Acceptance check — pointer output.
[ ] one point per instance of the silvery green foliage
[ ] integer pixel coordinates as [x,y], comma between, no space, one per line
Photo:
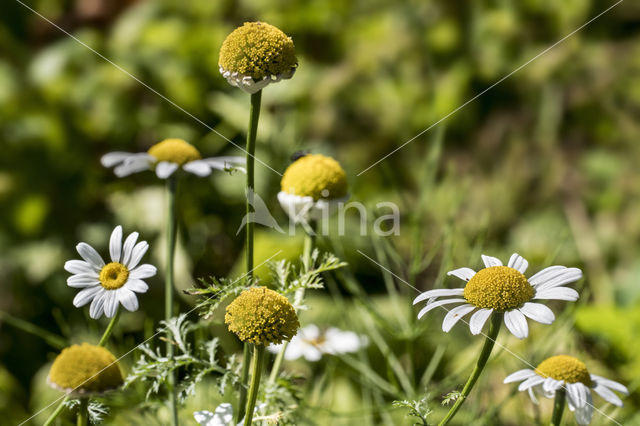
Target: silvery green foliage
[288,278]
[283,398]
[154,368]
[417,408]
[216,291]
[451,397]
[97,411]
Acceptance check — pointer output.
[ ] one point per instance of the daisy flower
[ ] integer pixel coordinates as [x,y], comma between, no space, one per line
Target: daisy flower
[503,289]
[564,372]
[311,343]
[106,285]
[255,55]
[312,187]
[168,156]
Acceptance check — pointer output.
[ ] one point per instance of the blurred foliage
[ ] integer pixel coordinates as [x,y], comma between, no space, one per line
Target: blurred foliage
[545,164]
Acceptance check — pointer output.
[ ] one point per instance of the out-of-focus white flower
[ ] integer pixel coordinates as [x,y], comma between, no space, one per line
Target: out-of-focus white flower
[168,156]
[311,343]
[570,374]
[221,416]
[106,285]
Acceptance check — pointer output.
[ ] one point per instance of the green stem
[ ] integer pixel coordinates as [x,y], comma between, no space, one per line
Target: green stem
[494,328]
[256,367]
[309,245]
[56,413]
[83,412]
[254,116]
[53,340]
[107,332]
[172,186]
[558,407]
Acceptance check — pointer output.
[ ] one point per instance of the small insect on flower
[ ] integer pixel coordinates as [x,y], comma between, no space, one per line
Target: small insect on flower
[262,316]
[311,343]
[85,370]
[571,374]
[503,289]
[106,285]
[311,185]
[168,156]
[255,55]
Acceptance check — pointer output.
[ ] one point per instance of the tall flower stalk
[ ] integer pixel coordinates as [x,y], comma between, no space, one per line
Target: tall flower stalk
[251,57]
[487,347]
[172,187]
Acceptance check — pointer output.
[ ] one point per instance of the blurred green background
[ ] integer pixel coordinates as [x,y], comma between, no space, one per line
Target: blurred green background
[545,164]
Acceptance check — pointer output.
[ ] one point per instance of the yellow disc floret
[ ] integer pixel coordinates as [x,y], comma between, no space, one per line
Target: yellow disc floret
[258,49]
[498,287]
[175,151]
[316,176]
[113,275]
[85,369]
[262,316]
[565,367]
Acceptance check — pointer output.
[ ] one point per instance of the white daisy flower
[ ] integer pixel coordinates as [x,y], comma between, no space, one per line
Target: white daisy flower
[106,285]
[568,373]
[221,416]
[313,187]
[311,343]
[503,289]
[168,156]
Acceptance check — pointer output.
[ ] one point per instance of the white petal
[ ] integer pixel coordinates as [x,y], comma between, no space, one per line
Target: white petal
[530,382]
[584,414]
[438,293]
[310,332]
[85,296]
[113,158]
[478,319]
[544,274]
[454,315]
[138,286]
[551,385]
[198,168]
[96,308]
[80,267]
[434,305]
[518,262]
[557,293]
[516,323]
[311,353]
[490,261]
[138,163]
[607,394]
[127,249]
[532,395]
[559,278]
[115,244]
[110,303]
[164,169]
[462,273]
[538,312]
[223,163]
[138,251]
[143,271]
[578,393]
[128,299]
[83,280]
[89,254]
[610,384]
[520,375]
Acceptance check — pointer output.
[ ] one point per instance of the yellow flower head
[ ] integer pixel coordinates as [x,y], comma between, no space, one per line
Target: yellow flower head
[262,316]
[316,176]
[175,151]
[84,370]
[498,287]
[565,367]
[258,50]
